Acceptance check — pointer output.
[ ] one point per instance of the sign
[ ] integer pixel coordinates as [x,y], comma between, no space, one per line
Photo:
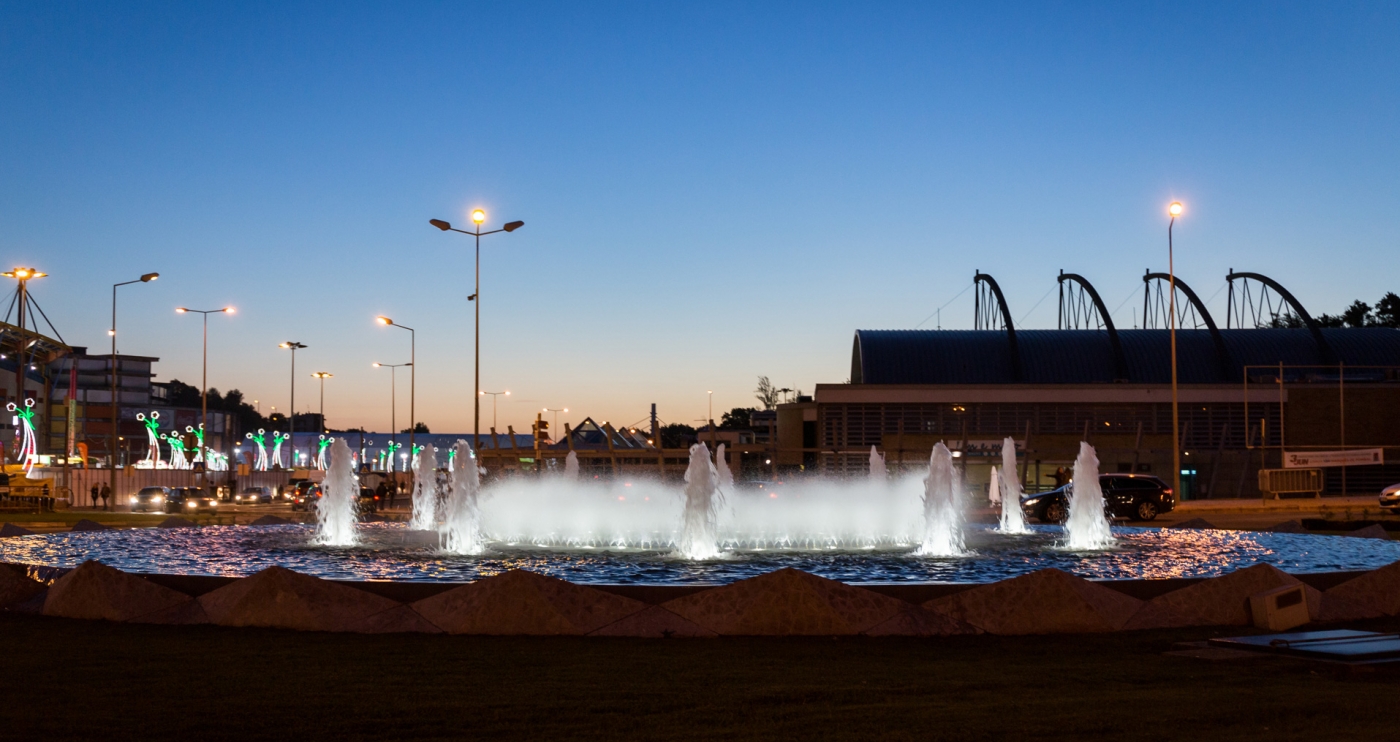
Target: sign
[990,447]
[1315,459]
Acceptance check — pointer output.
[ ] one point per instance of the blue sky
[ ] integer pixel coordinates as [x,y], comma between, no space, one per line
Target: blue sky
[711,191]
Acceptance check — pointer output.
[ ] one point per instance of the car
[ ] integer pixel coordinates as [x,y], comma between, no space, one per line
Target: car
[1133,496]
[305,496]
[1390,498]
[191,500]
[254,496]
[150,500]
[369,502]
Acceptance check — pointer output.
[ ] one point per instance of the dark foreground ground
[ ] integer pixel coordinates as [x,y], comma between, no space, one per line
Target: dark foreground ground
[84,680]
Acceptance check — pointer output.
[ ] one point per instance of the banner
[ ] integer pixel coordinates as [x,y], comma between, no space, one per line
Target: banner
[1317,459]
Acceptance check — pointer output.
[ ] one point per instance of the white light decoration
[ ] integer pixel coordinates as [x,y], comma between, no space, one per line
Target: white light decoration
[199,448]
[277,440]
[261,440]
[321,447]
[152,423]
[28,449]
[392,449]
[177,451]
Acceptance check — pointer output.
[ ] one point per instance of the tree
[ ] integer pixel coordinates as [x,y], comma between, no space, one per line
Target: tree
[1357,315]
[180,394]
[417,428]
[766,393]
[736,419]
[1387,312]
[677,435]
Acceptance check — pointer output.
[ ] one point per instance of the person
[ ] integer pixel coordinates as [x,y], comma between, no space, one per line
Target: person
[382,492]
[94,496]
[106,496]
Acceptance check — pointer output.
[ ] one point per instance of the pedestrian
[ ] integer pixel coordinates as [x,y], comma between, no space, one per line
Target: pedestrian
[381,493]
[95,495]
[106,496]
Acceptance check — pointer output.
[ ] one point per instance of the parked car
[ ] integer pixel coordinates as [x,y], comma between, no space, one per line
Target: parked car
[190,500]
[150,500]
[305,496]
[1390,498]
[254,496]
[1133,496]
[369,502]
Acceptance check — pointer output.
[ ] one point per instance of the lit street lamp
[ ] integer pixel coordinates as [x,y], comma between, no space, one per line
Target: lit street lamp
[556,416]
[1175,211]
[412,374]
[494,395]
[116,399]
[322,375]
[393,402]
[292,411]
[478,216]
[204,376]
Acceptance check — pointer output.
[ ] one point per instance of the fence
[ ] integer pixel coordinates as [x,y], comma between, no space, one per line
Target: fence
[130,481]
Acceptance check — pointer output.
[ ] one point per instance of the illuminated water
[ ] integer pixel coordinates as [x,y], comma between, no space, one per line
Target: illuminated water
[1087,526]
[336,509]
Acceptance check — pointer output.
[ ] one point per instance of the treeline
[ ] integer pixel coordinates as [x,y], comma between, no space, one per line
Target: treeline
[1385,313]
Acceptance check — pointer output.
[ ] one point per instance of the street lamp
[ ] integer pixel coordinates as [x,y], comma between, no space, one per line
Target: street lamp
[322,375]
[494,395]
[711,419]
[393,402]
[478,216]
[116,400]
[204,376]
[1175,211]
[293,346]
[412,374]
[556,416]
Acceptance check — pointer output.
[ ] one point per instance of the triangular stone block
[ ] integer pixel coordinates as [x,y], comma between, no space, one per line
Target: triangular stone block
[655,622]
[96,591]
[16,587]
[10,529]
[280,598]
[90,525]
[1199,523]
[786,602]
[176,521]
[185,614]
[270,520]
[397,620]
[1288,526]
[1375,530]
[1047,601]
[520,602]
[1377,591]
[1218,601]
[915,621]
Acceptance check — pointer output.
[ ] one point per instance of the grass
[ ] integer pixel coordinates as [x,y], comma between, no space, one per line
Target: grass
[73,679]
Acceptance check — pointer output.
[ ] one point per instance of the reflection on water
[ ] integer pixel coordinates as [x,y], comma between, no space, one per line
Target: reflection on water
[385,552]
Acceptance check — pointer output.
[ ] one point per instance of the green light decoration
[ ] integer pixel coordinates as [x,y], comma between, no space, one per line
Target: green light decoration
[321,447]
[177,451]
[278,438]
[261,440]
[199,434]
[152,423]
[393,448]
[29,449]
[451,458]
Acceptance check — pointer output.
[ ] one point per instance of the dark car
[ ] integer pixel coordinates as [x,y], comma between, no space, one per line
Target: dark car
[369,502]
[254,496]
[1132,496]
[150,500]
[190,500]
[305,495]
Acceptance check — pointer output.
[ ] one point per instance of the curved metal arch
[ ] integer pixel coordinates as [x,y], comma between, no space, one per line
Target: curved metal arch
[1120,370]
[1222,354]
[1323,349]
[980,277]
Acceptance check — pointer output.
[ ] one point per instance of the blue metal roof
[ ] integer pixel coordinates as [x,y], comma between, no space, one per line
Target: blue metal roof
[1086,356]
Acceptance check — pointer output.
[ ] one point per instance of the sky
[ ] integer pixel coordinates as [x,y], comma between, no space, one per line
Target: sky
[711,191]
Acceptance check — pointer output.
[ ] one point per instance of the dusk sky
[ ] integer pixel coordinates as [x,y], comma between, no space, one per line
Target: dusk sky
[712,192]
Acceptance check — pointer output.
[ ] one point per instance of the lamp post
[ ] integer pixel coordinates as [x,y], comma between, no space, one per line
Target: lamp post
[478,216]
[1175,211]
[556,416]
[412,376]
[116,400]
[322,375]
[494,395]
[204,375]
[393,401]
[293,346]
[711,419]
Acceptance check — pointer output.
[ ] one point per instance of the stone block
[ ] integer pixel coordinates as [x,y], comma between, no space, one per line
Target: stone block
[270,520]
[916,621]
[397,620]
[176,521]
[787,602]
[1047,601]
[10,529]
[96,591]
[520,602]
[1375,593]
[16,587]
[280,598]
[655,622]
[1218,601]
[1288,526]
[185,614]
[90,525]
[1375,530]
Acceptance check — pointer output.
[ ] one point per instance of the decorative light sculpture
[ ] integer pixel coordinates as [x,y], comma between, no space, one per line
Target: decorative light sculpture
[393,448]
[177,451]
[278,438]
[321,447]
[24,418]
[261,440]
[152,423]
[198,434]
[451,458]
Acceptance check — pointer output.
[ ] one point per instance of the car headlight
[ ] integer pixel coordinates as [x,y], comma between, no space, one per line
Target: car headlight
[213,503]
[135,500]
[157,498]
[191,504]
[1031,502]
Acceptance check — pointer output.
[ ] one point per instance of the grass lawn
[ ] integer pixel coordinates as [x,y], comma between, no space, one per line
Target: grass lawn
[73,679]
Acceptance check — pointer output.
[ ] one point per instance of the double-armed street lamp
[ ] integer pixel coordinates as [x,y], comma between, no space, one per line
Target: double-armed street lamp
[293,346]
[556,416]
[116,399]
[494,395]
[412,375]
[323,375]
[204,375]
[478,216]
[393,402]
[1174,210]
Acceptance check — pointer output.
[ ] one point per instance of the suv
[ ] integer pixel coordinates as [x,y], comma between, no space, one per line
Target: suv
[150,500]
[1132,496]
[305,495]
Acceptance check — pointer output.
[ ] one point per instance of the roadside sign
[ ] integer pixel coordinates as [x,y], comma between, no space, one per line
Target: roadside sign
[1315,459]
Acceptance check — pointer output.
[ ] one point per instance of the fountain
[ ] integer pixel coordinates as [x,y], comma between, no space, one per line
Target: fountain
[1013,520]
[942,507]
[1087,527]
[994,487]
[699,530]
[571,466]
[877,466]
[425,490]
[461,529]
[335,511]
[726,475]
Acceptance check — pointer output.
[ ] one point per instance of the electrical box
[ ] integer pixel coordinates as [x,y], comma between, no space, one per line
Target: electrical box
[1281,608]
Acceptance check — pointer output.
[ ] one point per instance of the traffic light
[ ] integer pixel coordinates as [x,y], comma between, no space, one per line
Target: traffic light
[541,429]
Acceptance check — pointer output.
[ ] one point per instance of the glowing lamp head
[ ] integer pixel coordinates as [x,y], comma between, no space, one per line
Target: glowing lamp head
[507,393]
[384,320]
[147,278]
[180,310]
[229,310]
[284,345]
[478,216]
[377,365]
[1174,209]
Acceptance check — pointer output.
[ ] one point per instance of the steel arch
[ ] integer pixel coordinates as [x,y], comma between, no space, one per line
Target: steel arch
[1222,353]
[991,285]
[1119,362]
[1323,349]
